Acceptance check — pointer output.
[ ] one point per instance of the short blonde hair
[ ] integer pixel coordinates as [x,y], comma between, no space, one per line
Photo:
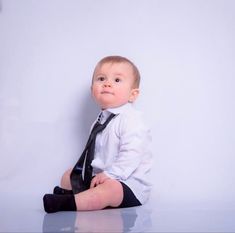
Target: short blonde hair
[120,59]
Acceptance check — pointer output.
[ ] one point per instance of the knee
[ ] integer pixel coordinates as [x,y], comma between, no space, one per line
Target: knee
[115,193]
[65,180]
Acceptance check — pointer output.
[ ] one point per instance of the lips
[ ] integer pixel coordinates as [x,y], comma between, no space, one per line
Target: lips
[107,92]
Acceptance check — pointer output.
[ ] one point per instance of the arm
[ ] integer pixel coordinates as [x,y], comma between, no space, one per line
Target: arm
[134,140]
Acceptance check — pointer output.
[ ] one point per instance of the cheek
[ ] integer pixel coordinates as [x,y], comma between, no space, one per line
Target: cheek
[124,92]
[94,88]
[94,92]
[123,96]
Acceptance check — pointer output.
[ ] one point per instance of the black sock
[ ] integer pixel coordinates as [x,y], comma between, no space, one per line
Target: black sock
[59,190]
[56,202]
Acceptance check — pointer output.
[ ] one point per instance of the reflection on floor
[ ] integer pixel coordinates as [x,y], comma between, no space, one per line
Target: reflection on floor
[26,215]
[115,220]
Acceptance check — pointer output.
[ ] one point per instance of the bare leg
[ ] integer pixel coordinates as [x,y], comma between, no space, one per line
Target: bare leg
[65,180]
[109,193]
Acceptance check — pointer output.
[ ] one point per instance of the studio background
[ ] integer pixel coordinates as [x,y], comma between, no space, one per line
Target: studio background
[185,53]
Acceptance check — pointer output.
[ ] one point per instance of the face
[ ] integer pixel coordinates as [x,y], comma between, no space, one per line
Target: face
[112,85]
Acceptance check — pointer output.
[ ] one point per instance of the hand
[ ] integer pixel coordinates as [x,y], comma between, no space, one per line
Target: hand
[99,179]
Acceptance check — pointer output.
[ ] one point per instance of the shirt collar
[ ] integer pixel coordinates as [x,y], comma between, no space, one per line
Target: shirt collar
[105,113]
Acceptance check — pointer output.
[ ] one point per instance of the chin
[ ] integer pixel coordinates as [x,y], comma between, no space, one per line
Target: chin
[105,106]
[111,106]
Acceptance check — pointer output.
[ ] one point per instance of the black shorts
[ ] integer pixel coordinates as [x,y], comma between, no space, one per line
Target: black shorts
[129,198]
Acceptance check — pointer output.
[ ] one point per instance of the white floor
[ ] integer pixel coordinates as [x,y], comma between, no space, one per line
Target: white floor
[26,214]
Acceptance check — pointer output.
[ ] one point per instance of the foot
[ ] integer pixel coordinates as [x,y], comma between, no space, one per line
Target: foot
[56,202]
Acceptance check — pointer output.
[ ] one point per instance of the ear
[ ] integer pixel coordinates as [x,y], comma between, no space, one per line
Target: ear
[134,94]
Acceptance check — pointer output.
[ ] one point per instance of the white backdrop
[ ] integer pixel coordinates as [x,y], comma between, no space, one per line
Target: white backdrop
[185,52]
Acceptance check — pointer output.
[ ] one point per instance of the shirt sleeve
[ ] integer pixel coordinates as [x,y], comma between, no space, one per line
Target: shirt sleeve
[134,140]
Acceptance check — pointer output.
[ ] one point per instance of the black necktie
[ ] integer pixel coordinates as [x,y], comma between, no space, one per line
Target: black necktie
[78,183]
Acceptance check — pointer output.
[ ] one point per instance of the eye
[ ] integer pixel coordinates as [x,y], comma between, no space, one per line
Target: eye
[101,78]
[117,80]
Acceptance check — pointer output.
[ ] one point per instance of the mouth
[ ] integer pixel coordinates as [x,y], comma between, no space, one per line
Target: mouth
[107,92]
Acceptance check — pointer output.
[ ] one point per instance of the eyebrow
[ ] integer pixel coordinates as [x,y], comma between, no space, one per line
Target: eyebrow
[118,74]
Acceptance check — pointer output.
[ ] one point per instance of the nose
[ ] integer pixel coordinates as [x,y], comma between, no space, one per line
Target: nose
[107,84]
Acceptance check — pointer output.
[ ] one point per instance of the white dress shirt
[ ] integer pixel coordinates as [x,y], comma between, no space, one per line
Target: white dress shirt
[122,150]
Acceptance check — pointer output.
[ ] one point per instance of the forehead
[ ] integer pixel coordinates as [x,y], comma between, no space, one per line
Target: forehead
[123,68]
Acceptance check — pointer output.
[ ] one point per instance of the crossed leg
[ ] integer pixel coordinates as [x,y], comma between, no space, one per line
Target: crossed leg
[109,193]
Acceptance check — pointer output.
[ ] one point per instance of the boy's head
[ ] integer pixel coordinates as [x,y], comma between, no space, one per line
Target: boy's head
[115,82]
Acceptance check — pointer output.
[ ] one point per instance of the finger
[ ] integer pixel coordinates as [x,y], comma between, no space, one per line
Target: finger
[104,179]
[93,182]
